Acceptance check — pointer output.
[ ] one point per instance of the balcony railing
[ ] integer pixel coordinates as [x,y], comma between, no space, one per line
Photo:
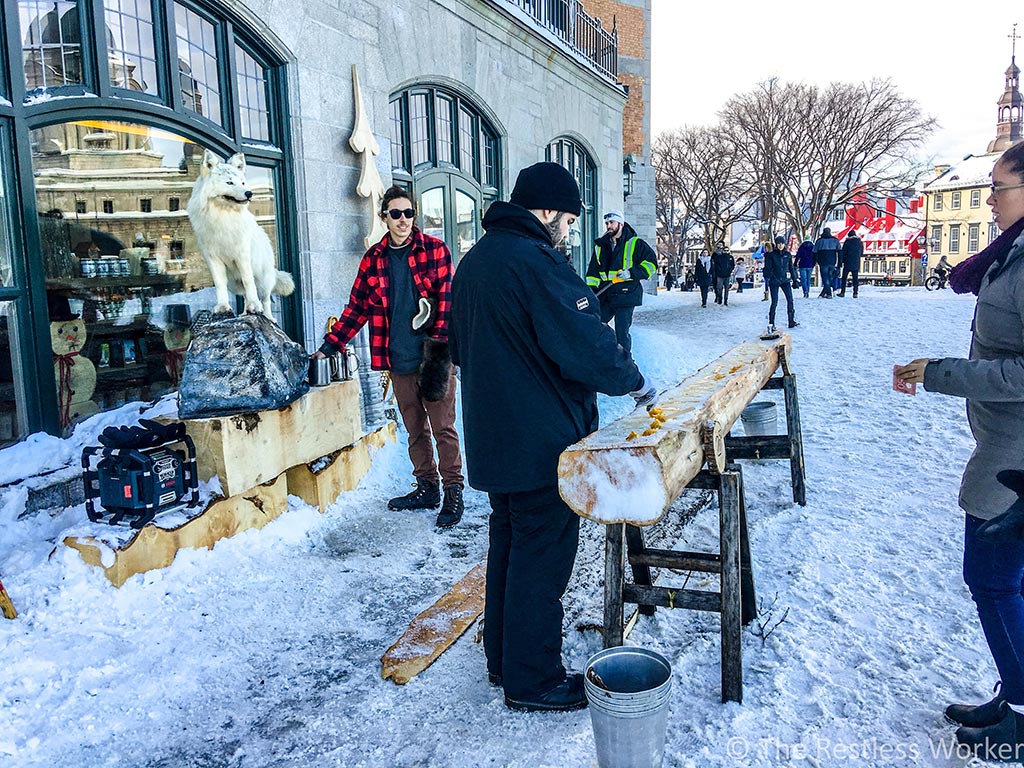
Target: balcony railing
[581,32]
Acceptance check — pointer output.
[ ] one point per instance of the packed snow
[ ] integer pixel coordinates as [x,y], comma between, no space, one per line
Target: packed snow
[264,651]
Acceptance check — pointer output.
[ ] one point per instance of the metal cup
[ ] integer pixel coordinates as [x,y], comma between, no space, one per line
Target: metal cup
[338,372]
[319,371]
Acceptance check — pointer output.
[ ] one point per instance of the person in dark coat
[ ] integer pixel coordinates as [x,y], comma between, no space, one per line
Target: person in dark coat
[670,279]
[620,261]
[526,331]
[702,275]
[826,254]
[853,249]
[805,265]
[777,265]
[991,380]
[722,266]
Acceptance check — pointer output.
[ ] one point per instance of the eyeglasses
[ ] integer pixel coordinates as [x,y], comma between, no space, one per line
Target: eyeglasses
[397,213]
[995,190]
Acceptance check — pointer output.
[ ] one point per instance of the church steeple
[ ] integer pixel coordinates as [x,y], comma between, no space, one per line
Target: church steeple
[1010,125]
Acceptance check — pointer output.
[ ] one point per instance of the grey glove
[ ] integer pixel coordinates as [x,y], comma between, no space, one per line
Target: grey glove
[646,396]
[623,274]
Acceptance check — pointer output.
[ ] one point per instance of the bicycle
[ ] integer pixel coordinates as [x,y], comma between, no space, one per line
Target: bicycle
[937,280]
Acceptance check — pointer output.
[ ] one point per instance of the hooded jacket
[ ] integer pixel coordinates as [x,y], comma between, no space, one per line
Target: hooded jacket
[853,249]
[527,333]
[777,264]
[608,259]
[826,250]
[805,255]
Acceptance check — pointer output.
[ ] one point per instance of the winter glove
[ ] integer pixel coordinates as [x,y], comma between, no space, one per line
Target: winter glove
[646,396]
[623,274]
[426,316]
[435,371]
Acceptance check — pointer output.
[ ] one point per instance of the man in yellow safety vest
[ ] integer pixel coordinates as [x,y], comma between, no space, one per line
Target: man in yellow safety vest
[620,261]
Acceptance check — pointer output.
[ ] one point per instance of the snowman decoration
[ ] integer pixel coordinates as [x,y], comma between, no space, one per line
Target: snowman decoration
[176,340]
[74,373]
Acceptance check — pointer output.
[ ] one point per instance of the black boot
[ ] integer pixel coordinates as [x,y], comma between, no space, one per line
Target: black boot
[980,715]
[452,508]
[426,496]
[1003,741]
[564,697]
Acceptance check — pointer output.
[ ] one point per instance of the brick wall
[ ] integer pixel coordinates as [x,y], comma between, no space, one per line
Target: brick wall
[633,115]
[630,21]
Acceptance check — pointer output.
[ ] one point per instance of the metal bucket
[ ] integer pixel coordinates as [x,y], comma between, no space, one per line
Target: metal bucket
[628,690]
[759,419]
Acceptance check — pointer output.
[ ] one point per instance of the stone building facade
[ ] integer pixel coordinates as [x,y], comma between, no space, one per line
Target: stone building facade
[103,121]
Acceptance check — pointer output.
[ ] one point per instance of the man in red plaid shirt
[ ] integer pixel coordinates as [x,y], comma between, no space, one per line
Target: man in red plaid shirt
[403,290]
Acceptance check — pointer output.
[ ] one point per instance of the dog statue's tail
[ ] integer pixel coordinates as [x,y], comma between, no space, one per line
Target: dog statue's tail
[284,285]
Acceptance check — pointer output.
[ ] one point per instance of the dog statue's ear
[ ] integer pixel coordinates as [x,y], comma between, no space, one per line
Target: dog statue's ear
[210,161]
[238,161]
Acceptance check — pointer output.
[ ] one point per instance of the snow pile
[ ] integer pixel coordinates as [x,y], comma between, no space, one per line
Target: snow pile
[265,650]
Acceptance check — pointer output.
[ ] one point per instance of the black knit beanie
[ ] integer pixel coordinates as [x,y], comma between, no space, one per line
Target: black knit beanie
[547,186]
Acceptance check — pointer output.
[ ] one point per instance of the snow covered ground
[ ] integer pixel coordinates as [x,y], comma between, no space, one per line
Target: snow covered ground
[265,651]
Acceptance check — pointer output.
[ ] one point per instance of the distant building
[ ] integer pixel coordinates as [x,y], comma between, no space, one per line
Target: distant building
[958,223]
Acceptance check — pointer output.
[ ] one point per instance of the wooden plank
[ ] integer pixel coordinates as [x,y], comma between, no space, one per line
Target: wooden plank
[320,482]
[155,547]
[731,605]
[614,577]
[703,562]
[796,441]
[758,447]
[253,448]
[432,632]
[612,477]
[666,597]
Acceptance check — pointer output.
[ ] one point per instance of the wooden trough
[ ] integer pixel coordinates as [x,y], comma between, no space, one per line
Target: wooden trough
[627,474]
[633,469]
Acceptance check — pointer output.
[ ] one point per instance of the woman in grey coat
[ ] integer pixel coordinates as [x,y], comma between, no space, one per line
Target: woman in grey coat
[992,381]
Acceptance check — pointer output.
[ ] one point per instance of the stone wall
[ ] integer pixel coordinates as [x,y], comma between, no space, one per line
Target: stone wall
[531,91]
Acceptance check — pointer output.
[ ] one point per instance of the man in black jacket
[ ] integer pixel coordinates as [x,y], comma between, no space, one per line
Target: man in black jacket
[722,266]
[620,261]
[527,334]
[853,249]
[826,254]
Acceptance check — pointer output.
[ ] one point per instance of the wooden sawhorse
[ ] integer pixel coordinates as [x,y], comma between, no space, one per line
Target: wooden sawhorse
[736,600]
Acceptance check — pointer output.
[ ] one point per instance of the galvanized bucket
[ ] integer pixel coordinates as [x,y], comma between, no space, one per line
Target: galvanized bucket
[628,690]
[759,419]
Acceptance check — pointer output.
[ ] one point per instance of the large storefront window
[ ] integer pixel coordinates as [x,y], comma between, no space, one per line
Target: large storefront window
[100,275]
[447,150]
[124,276]
[572,156]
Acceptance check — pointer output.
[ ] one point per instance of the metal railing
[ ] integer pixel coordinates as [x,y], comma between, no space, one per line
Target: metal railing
[570,23]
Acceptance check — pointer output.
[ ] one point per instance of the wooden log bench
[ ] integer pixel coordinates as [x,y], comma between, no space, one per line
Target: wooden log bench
[627,474]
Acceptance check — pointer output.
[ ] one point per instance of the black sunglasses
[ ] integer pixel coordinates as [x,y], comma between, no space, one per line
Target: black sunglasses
[397,213]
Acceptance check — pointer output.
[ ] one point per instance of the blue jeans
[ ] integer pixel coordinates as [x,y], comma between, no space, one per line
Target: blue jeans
[805,279]
[787,291]
[825,272]
[995,575]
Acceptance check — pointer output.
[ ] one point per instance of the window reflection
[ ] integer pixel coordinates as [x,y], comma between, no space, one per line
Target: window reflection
[465,223]
[252,96]
[123,283]
[12,415]
[51,43]
[130,51]
[432,212]
[197,63]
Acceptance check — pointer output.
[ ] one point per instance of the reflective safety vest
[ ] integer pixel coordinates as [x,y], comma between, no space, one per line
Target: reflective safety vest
[627,263]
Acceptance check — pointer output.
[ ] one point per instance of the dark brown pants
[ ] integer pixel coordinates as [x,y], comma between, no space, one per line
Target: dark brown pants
[421,418]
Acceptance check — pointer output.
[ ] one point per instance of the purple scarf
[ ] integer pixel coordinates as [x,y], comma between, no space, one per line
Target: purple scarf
[966,276]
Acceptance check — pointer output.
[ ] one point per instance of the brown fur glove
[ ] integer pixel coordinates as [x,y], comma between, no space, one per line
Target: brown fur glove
[435,370]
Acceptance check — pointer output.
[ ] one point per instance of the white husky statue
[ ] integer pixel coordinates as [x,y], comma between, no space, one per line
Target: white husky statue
[235,247]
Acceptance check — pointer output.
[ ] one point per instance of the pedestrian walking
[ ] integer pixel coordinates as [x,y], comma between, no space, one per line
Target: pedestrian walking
[722,266]
[853,250]
[534,352]
[703,276]
[777,276]
[826,254]
[739,274]
[805,265]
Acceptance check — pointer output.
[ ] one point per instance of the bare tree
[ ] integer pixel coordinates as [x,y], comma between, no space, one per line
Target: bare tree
[701,169]
[672,217]
[806,150]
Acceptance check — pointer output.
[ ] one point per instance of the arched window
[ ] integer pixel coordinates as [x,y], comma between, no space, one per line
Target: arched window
[570,154]
[448,152]
[114,103]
